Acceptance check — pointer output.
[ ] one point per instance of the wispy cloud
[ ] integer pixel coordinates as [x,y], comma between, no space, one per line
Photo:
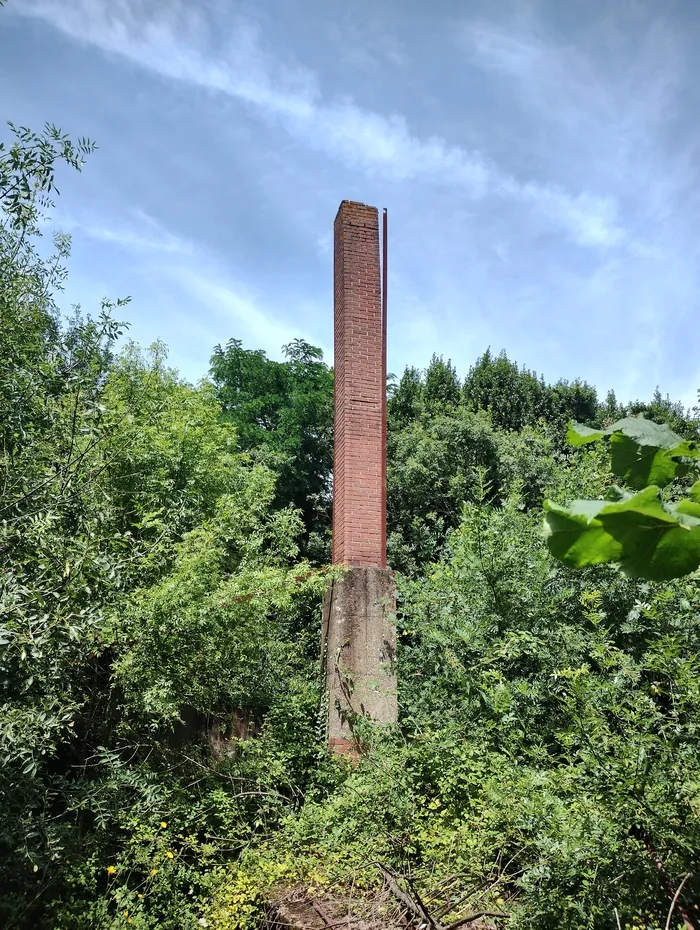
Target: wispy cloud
[174,41]
[186,272]
[620,81]
[141,233]
[234,305]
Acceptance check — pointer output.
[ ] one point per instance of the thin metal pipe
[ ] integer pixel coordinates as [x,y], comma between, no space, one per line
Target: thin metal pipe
[384,373]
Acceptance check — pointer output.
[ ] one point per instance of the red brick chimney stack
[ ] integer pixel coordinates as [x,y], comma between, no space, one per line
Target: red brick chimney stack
[359,630]
[359,517]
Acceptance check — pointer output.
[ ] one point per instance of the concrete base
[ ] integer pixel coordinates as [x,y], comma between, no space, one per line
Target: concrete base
[359,652]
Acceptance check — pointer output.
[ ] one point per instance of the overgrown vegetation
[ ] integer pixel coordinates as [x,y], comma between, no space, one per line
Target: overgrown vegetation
[164,551]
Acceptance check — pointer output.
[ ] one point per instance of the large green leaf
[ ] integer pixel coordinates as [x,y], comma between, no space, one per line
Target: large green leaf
[647,537]
[644,431]
[576,535]
[642,452]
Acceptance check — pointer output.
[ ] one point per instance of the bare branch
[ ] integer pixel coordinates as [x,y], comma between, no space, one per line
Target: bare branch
[675,899]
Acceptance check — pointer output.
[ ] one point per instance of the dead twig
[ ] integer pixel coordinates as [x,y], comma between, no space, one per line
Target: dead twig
[675,899]
[421,906]
[405,898]
[415,906]
[332,926]
[472,917]
[462,898]
[487,885]
[639,833]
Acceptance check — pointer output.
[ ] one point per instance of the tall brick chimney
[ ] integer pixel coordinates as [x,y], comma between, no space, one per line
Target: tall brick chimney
[358,617]
[358,466]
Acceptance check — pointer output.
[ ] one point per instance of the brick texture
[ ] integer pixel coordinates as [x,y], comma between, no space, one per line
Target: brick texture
[359,516]
[344,746]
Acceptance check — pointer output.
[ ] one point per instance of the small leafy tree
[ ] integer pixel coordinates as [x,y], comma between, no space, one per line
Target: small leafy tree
[405,399]
[441,387]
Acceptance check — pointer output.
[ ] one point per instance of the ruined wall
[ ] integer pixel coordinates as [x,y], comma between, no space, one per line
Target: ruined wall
[359,632]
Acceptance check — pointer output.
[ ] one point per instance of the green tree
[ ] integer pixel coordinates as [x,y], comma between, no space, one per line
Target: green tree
[211,635]
[662,409]
[548,691]
[405,401]
[547,743]
[283,411]
[517,397]
[434,467]
[513,396]
[441,387]
[127,515]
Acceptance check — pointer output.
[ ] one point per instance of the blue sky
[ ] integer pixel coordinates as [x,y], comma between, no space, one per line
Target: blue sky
[539,159]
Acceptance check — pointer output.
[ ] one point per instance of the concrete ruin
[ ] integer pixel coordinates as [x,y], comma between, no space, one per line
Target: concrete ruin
[359,633]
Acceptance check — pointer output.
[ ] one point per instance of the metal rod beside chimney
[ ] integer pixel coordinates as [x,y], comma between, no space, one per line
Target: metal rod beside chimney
[385,239]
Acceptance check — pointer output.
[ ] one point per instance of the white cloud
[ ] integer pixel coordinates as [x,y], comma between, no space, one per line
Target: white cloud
[233,304]
[143,234]
[591,220]
[174,42]
[183,269]
[598,105]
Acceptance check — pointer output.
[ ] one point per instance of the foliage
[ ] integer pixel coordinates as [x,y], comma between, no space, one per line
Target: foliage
[503,420]
[285,411]
[157,586]
[565,679]
[644,534]
[211,634]
[435,466]
[662,409]
[405,400]
[441,387]
[517,397]
[28,171]
[642,452]
[550,727]
[122,495]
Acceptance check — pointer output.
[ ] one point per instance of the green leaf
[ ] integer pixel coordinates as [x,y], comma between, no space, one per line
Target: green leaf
[642,452]
[576,535]
[646,537]
[578,434]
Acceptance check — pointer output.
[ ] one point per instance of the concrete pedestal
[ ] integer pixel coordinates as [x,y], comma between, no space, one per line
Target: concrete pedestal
[359,652]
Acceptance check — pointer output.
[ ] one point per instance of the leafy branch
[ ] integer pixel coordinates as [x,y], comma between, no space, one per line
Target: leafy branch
[647,536]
